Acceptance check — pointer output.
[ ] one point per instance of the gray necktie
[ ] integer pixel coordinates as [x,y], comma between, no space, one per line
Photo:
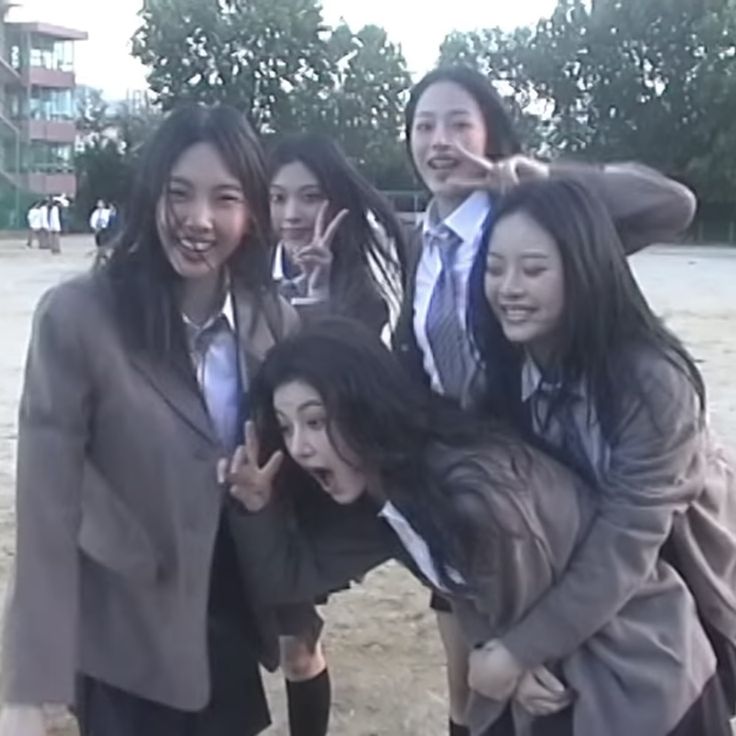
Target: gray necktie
[216,362]
[446,335]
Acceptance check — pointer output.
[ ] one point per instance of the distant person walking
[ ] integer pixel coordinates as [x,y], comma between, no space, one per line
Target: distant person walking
[35,224]
[54,225]
[99,221]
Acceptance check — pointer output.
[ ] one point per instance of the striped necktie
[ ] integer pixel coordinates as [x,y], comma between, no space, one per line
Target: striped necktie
[447,338]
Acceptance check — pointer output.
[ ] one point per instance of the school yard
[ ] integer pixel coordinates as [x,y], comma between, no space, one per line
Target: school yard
[385,659]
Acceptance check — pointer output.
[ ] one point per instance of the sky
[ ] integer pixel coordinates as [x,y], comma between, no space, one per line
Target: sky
[419,26]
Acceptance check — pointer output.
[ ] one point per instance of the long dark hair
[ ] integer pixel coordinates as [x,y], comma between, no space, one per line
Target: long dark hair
[357,242]
[392,425]
[143,280]
[501,139]
[605,319]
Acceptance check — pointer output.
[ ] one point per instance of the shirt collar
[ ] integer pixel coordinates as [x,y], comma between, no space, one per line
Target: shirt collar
[278,263]
[466,221]
[227,310]
[533,380]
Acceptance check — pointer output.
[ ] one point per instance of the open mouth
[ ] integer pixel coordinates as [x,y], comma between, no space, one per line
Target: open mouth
[443,163]
[323,476]
[516,314]
[195,247]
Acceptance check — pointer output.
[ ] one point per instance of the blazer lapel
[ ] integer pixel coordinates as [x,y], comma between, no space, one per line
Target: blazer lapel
[179,390]
[255,335]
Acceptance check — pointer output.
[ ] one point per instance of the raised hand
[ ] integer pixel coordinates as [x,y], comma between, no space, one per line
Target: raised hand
[315,259]
[247,480]
[498,176]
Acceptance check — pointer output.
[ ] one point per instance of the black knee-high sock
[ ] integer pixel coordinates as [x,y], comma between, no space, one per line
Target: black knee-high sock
[309,705]
[457,730]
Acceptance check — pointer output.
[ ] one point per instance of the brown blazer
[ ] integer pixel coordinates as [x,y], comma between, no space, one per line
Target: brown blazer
[645,206]
[118,507]
[665,478]
[538,514]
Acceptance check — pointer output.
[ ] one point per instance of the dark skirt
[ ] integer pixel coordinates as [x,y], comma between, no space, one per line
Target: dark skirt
[238,705]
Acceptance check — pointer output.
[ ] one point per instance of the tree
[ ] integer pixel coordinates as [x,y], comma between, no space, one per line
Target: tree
[654,81]
[252,54]
[363,107]
[112,139]
[285,69]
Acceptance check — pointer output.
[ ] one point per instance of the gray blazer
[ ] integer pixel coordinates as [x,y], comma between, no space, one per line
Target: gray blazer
[665,478]
[645,206]
[637,673]
[118,508]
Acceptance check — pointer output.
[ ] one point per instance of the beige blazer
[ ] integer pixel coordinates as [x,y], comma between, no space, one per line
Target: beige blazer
[538,514]
[118,507]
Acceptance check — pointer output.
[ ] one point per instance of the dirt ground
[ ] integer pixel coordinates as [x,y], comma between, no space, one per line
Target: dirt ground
[381,641]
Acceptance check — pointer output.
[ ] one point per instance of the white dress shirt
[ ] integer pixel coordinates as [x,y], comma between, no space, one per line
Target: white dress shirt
[576,409]
[415,546]
[214,352]
[467,223]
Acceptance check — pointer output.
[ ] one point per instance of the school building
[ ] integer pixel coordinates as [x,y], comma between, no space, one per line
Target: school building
[37,115]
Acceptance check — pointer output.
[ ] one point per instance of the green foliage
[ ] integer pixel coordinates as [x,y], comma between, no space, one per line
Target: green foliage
[653,81]
[285,69]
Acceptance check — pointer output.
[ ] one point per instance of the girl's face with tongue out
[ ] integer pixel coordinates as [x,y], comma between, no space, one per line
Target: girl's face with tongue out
[315,444]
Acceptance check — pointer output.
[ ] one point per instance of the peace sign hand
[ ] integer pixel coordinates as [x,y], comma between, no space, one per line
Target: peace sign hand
[499,176]
[247,480]
[315,260]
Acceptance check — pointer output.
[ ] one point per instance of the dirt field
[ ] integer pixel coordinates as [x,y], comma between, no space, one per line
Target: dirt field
[381,640]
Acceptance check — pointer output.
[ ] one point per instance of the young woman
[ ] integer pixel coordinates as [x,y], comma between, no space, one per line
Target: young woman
[465,151]
[592,374]
[338,238]
[339,250]
[477,514]
[126,601]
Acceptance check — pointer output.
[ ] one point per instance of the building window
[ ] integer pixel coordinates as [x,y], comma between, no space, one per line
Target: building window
[47,103]
[56,158]
[49,53]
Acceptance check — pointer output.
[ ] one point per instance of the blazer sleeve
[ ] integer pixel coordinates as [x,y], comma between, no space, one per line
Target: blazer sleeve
[284,561]
[656,470]
[40,630]
[645,206]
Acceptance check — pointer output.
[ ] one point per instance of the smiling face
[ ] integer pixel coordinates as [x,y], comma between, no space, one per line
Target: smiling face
[524,283]
[202,214]
[308,438]
[296,198]
[446,114]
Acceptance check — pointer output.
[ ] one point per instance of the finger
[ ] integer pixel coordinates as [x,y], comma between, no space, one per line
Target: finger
[486,183]
[222,464]
[481,161]
[314,253]
[319,223]
[329,235]
[548,680]
[509,176]
[238,461]
[272,467]
[544,708]
[252,445]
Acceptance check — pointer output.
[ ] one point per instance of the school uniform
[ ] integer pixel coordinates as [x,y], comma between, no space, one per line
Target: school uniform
[376,312]
[373,304]
[125,597]
[641,671]
[640,202]
[665,488]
